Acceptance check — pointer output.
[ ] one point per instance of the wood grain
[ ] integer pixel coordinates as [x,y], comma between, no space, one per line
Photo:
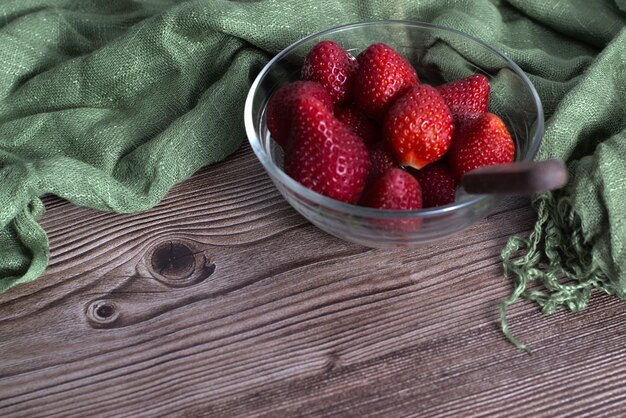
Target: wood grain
[223,301]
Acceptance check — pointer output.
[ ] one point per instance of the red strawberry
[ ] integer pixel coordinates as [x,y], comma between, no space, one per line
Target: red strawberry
[381,160]
[484,141]
[467,98]
[438,185]
[281,103]
[333,67]
[383,75]
[418,127]
[358,123]
[323,154]
[396,189]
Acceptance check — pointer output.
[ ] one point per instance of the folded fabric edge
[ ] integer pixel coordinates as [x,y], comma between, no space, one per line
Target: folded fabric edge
[34,239]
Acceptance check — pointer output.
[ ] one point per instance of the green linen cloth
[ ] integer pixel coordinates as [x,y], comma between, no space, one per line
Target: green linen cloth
[110,103]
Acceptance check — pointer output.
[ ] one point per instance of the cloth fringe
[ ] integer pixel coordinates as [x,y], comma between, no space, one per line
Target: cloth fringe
[556,267]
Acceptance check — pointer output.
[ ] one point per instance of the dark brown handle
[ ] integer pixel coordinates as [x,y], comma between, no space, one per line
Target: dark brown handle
[516,178]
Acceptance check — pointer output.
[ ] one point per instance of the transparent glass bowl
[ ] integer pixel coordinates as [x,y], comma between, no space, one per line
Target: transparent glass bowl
[439,55]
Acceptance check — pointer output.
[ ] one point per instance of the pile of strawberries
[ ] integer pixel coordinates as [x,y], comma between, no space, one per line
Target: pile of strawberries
[365,131]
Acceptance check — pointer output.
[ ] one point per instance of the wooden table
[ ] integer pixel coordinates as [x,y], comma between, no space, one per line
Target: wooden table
[223,301]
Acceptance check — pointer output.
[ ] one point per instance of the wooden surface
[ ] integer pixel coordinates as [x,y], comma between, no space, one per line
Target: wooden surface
[222,301]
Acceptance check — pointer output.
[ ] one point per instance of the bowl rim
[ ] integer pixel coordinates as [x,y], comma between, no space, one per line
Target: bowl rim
[276,173]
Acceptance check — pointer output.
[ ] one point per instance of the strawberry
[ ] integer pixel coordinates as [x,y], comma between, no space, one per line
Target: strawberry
[467,98]
[438,185]
[333,67]
[383,75]
[483,141]
[358,123]
[418,127]
[381,160]
[281,103]
[323,154]
[396,189]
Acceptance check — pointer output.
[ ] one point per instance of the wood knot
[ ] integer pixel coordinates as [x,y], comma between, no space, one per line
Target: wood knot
[173,260]
[177,264]
[102,313]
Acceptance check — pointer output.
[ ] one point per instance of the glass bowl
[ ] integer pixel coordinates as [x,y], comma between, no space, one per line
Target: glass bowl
[439,55]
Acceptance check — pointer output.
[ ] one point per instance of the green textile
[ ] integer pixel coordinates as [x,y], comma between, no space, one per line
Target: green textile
[110,103]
